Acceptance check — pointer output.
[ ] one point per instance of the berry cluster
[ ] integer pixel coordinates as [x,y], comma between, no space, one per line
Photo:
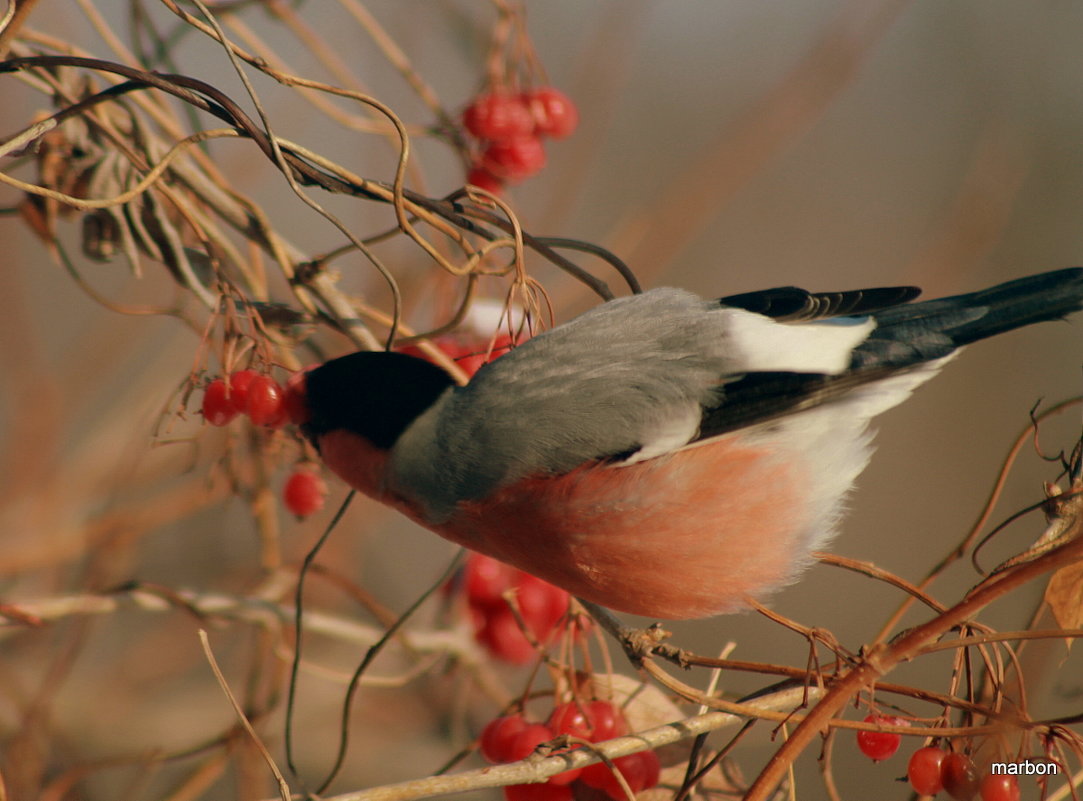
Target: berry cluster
[245,392]
[932,769]
[511,127]
[541,606]
[267,403]
[511,738]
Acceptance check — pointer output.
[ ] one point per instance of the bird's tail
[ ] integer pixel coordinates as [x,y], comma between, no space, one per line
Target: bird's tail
[919,332]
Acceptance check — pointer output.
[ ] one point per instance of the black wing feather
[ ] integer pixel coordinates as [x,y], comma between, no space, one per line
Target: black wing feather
[792,304]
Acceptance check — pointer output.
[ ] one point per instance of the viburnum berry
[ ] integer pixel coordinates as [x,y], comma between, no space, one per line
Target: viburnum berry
[238,388]
[500,634]
[528,740]
[570,718]
[538,792]
[483,179]
[553,112]
[264,404]
[641,770]
[923,770]
[594,721]
[540,604]
[514,159]
[499,115]
[304,492]
[879,745]
[468,351]
[486,579]
[999,787]
[498,735]
[293,396]
[608,720]
[476,353]
[960,776]
[217,408]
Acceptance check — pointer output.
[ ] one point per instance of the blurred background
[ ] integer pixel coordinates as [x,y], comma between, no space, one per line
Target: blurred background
[723,147]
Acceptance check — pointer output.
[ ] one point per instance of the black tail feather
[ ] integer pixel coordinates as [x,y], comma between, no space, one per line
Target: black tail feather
[931,329]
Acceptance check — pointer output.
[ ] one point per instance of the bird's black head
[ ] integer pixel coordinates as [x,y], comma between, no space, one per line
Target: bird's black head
[372,393]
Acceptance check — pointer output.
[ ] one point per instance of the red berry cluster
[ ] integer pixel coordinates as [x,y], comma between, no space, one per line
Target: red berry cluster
[245,392]
[267,403]
[540,604]
[511,738]
[933,769]
[511,127]
[468,351]
[264,400]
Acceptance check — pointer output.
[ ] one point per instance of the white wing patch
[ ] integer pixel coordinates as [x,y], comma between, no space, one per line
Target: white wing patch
[759,344]
[669,435]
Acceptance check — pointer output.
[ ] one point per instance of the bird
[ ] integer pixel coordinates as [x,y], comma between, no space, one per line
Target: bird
[660,454]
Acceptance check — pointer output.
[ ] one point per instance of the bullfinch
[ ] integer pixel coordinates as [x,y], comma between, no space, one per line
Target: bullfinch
[660,454]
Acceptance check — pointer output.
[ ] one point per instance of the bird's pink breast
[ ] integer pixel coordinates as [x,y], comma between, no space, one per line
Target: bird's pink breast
[680,536]
[686,535]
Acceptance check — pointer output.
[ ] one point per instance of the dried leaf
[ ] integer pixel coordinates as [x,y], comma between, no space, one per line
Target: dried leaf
[1064,594]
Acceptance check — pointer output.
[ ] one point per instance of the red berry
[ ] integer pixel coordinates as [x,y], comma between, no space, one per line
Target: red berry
[878,745]
[483,179]
[538,792]
[999,787]
[514,159]
[960,776]
[526,742]
[217,408]
[498,116]
[294,400]
[923,770]
[264,404]
[594,721]
[541,604]
[502,636]
[567,777]
[474,353]
[571,719]
[653,768]
[497,737]
[238,388]
[608,720]
[304,492]
[639,770]
[553,112]
[486,579]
